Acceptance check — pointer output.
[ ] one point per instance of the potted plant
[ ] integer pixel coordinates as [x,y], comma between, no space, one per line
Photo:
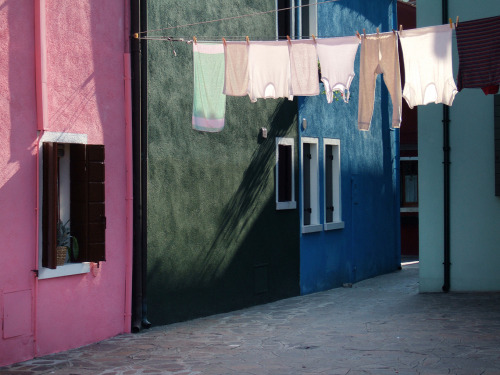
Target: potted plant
[74,250]
[63,242]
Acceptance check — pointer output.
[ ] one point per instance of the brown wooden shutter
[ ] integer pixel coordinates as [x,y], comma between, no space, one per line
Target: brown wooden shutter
[49,205]
[88,220]
[306,182]
[329,183]
[96,205]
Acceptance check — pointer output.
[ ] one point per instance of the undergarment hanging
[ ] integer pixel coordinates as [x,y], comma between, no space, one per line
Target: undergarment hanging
[478,44]
[209,103]
[236,71]
[304,68]
[269,70]
[379,55]
[336,58]
[428,65]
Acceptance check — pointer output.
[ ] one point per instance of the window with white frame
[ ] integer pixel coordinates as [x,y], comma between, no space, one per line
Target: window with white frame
[298,19]
[310,186]
[285,174]
[409,184]
[332,202]
[72,200]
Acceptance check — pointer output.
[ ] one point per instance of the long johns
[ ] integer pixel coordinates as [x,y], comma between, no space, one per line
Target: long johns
[379,54]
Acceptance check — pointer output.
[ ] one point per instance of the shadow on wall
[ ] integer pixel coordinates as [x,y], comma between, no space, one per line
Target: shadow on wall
[222,270]
[244,205]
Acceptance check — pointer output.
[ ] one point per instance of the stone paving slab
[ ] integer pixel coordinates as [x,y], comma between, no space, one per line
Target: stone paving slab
[379,326]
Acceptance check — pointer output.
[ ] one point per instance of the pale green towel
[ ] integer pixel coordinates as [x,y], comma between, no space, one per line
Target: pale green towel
[209,103]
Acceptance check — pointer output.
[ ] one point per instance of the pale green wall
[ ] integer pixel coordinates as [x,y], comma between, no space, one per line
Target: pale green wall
[475,211]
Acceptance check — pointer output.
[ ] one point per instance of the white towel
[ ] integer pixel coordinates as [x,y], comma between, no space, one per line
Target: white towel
[304,68]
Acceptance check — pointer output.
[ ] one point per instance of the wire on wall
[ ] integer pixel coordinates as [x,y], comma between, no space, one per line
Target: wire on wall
[138,35]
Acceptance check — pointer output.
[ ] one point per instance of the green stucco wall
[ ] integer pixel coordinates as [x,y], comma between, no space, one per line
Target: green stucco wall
[475,210]
[215,239]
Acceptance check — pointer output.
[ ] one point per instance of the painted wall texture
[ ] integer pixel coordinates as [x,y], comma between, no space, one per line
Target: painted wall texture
[85,48]
[215,239]
[475,210]
[368,245]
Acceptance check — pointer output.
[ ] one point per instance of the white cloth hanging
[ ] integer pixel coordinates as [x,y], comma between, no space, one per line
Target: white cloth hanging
[269,70]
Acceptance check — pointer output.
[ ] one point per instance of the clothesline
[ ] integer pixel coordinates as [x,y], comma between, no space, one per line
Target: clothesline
[212,39]
[281,68]
[236,17]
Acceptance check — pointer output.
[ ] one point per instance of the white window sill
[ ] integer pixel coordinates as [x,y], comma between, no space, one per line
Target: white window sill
[312,228]
[65,270]
[291,205]
[409,209]
[334,225]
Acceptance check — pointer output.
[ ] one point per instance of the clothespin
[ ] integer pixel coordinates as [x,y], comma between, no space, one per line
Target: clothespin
[451,23]
[377,31]
[364,32]
[400,28]
[195,40]
[456,23]
[314,38]
[224,41]
[357,34]
[248,40]
[289,40]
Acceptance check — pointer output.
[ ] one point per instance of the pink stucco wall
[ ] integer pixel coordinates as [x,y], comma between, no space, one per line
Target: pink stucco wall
[17,166]
[86,94]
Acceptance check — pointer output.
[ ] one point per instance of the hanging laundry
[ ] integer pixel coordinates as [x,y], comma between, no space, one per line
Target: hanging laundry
[478,44]
[303,68]
[269,70]
[336,58]
[209,103]
[379,54]
[428,65]
[236,75]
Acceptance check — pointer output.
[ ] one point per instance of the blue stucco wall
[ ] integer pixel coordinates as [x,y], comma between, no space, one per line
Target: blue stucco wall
[369,244]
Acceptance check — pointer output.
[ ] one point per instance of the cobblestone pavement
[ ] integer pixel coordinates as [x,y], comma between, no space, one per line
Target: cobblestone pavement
[379,326]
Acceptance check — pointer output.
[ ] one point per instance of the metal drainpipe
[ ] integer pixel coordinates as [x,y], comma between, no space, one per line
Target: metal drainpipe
[396,162]
[136,151]
[144,158]
[42,123]
[129,199]
[446,176]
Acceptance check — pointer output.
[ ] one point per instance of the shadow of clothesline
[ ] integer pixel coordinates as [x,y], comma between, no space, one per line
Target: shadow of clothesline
[240,211]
